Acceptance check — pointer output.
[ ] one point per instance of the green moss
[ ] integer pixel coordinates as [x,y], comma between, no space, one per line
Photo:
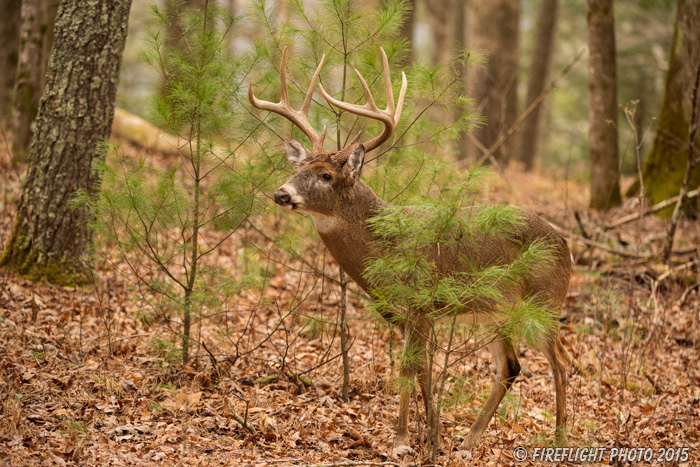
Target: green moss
[20,257]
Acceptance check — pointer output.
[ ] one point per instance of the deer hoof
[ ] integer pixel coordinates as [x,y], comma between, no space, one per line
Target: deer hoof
[471,441]
[401,451]
[402,440]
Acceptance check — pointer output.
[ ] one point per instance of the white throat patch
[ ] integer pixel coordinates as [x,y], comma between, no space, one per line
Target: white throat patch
[324,223]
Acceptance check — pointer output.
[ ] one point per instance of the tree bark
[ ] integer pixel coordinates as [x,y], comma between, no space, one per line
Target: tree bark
[604,158]
[407,29]
[31,69]
[665,165]
[9,35]
[494,86]
[539,71]
[75,117]
[440,16]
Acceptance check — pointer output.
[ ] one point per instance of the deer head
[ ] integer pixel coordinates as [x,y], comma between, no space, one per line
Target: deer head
[325,180]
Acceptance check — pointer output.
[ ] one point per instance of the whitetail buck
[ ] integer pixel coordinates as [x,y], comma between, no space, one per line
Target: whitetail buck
[327,186]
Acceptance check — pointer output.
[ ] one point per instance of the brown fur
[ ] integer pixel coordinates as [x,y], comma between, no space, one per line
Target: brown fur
[341,208]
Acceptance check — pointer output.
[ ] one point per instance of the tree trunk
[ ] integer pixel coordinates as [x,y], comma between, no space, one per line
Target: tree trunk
[665,165]
[9,35]
[604,158]
[494,86]
[407,29]
[440,15]
[30,74]
[539,71]
[75,117]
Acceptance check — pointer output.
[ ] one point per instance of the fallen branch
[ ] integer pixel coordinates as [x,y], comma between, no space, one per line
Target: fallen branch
[676,269]
[595,244]
[655,208]
[143,134]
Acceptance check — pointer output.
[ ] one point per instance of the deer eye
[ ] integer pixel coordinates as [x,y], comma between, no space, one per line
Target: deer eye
[327,177]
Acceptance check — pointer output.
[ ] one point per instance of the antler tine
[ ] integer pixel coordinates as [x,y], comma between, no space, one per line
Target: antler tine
[310,93]
[389,116]
[387,83]
[284,108]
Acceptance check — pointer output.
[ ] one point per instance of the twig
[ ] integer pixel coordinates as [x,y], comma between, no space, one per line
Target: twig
[243,423]
[687,292]
[277,461]
[690,165]
[585,234]
[344,337]
[658,388]
[655,208]
[673,270]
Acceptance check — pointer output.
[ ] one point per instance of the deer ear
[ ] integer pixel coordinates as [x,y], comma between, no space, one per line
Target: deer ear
[296,152]
[355,161]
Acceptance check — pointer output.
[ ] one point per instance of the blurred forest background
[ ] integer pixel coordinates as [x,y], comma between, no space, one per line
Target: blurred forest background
[438,29]
[157,307]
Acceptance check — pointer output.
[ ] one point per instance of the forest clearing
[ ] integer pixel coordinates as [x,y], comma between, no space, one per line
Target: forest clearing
[175,288]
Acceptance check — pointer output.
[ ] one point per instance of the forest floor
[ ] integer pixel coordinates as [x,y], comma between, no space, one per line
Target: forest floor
[88,378]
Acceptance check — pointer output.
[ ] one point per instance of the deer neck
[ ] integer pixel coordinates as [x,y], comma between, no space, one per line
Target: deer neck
[347,236]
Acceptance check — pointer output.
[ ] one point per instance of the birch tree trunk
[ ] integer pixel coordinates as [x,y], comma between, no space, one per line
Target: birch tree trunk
[604,158]
[75,116]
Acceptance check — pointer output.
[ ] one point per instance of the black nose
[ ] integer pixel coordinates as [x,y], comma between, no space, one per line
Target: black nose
[282,197]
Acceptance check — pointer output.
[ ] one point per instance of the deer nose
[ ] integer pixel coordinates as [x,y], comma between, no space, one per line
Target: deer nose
[282,197]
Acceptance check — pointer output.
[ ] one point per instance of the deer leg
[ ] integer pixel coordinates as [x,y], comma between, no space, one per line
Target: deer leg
[425,383]
[413,363]
[507,369]
[407,374]
[557,356]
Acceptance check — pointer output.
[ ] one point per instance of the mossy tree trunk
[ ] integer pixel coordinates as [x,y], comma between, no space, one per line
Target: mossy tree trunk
[665,165]
[495,29]
[604,156]
[37,20]
[9,37]
[539,70]
[75,116]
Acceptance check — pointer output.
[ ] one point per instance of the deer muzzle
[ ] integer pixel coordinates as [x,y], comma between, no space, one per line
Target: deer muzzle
[282,197]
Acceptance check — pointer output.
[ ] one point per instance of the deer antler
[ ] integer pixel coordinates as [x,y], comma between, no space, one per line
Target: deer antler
[283,108]
[389,116]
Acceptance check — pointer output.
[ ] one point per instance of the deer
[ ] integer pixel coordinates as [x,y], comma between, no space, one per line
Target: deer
[328,187]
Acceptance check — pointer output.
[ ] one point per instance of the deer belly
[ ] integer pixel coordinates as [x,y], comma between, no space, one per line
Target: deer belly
[470,317]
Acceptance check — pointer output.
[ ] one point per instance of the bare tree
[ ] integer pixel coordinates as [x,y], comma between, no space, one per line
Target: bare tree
[495,29]
[539,70]
[75,116]
[604,157]
[9,35]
